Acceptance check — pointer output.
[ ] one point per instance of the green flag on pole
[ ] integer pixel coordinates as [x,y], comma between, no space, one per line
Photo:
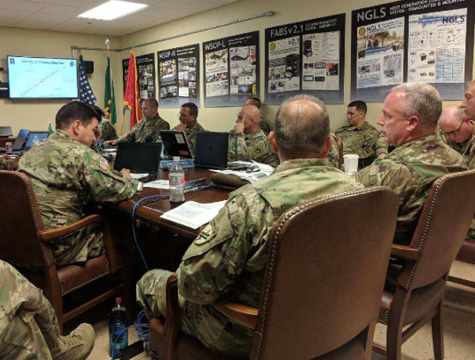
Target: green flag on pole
[109,97]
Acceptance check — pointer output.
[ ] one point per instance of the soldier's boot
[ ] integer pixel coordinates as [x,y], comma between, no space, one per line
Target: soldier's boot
[75,346]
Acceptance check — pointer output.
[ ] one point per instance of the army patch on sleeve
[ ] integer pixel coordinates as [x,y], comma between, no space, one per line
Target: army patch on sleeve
[104,164]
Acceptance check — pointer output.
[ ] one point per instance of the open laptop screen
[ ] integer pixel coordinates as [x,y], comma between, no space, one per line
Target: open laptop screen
[175,143]
[40,135]
[138,157]
[20,140]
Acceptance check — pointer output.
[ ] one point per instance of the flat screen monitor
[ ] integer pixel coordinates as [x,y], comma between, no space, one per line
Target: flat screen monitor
[42,78]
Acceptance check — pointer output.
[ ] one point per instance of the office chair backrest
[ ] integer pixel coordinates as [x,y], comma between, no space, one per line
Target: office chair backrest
[324,279]
[442,227]
[20,221]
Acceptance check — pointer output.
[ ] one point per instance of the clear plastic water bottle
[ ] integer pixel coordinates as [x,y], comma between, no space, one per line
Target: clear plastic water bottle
[36,140]
[118,336]
[176,181]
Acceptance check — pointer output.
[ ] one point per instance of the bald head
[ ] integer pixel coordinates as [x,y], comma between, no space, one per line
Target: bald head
[451,118]
[454,123]
[302,127]
[249,116]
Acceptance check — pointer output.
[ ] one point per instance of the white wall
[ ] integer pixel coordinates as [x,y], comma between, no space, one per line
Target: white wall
[37,114]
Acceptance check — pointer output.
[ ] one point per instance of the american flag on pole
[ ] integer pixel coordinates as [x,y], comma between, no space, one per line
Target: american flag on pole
[85,91]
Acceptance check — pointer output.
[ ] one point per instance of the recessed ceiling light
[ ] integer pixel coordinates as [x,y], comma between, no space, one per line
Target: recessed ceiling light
[112,10]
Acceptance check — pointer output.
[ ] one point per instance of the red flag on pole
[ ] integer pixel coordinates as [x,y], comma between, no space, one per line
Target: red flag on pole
[131,97]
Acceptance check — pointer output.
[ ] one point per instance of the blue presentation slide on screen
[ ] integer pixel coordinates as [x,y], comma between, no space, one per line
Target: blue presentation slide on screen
[33,78]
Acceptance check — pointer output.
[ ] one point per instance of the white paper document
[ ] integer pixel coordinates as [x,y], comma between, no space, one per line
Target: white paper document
[138,176]
[157,184]
[193,214]
[255,172]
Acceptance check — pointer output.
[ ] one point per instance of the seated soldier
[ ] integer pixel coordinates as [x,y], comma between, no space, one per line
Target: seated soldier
[65,173]
[7,163]
[147,129]
[409,119]
[28,324]
[359,137]
[227,260]
[188,116]
[247,141]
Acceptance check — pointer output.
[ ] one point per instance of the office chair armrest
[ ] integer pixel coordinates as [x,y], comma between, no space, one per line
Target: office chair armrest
[242,314]
[405,252]
[48,235]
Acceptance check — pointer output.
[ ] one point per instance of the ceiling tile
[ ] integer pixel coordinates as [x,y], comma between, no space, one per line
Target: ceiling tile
[56,9]
[8,21]
[14,14]
[42,21]
[21,5]
[161,12]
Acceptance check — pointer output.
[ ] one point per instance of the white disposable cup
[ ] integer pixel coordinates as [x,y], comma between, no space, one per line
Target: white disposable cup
[351,163]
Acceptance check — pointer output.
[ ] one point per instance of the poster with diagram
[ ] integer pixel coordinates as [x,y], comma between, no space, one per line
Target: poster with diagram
[306,57]
[178,76]
[412,41]
[146,76]
[231,70]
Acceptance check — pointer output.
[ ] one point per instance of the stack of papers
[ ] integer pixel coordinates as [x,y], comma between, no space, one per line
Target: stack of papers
[255,171]
[157,184]
[193,214]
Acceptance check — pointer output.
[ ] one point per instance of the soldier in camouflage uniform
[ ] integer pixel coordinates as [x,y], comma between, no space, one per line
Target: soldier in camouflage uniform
[359,137]
[29,327]
[147,129]
[409,119]
[333,156]
[107,130]
[247,141]
[227,260]
[188,116]
[66,173]
[263,124]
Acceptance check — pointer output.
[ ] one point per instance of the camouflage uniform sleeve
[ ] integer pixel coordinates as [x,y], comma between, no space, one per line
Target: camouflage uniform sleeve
[6,164]
[218,255]
[381,145]
[333,156]
[164,125]
[191,139]
[238,149]
[105,183]
[370,140]
[108,131]
[130,137]
[395,176]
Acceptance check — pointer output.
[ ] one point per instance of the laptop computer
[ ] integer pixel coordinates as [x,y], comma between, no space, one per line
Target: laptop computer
[138,158]
[211,149]
[40,135]
[20,140]
[175,144]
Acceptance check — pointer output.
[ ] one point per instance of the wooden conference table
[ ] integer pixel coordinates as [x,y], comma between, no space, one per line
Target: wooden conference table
[151,211]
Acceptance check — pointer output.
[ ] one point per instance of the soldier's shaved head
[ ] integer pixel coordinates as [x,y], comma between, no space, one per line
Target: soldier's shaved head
[252,112]
[451,117]
[302,127]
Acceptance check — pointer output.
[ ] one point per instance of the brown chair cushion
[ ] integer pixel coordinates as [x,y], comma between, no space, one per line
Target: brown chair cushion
[467,252]
[189,348]
[352,350]
[421,302]
[72,277]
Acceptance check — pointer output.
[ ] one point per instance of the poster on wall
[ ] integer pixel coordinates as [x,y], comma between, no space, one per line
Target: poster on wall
[146,76]
[125,71]
[306,57]
[178,76]
[231,67]
[428,41]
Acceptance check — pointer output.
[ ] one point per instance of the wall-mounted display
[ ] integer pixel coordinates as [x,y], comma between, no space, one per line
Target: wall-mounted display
[178,76]
[425,41]
[231,70]
[306,57]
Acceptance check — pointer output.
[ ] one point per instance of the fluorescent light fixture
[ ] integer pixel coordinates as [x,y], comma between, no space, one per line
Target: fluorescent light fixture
[112,10]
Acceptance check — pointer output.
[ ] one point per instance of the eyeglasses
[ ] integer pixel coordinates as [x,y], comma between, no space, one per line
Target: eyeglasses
[180,115]
[456,131]
[351,114]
